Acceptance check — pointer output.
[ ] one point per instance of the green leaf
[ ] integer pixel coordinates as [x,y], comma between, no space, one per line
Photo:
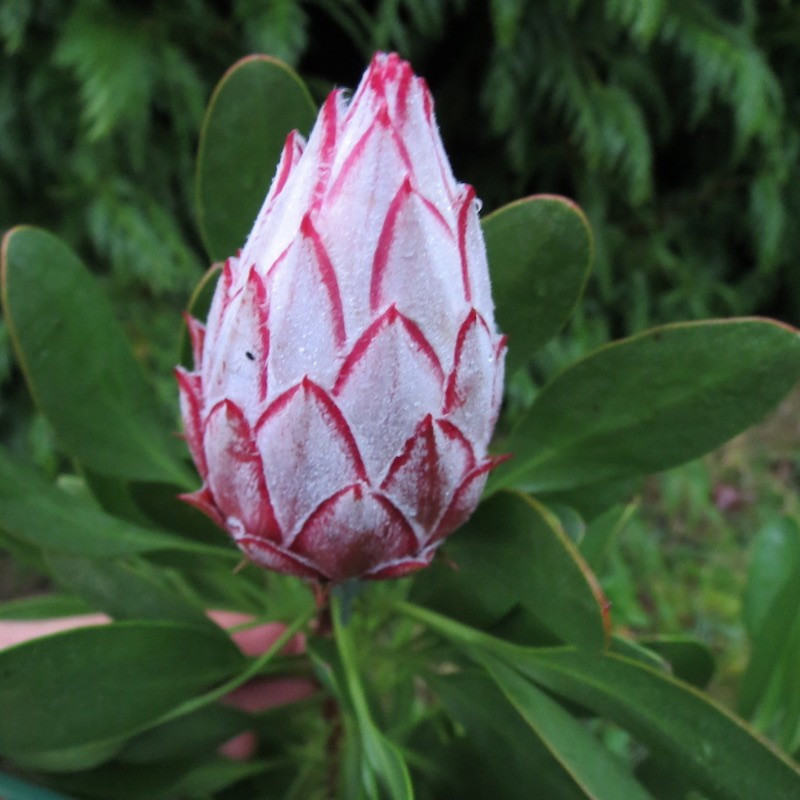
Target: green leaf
[775,556]
[514,551]
[130,588]
[521,626]
[785,728]
[78,364]
[602,531]
[165,781]
[70,700]
[253,108]
[321,651]
[202,731]
[38,513]
[160,504]
[664,779]
[650,402]
[221,587]
[385,761]
[769,691]
[593,499]
[43,606]
[23,553]
[494,735]
[772,642]
[214,775]
[114,496]
[635,651]
[255,666]
[690,660]
[569,520]
[713,749]
[597,773]
[540,253]
[382,757]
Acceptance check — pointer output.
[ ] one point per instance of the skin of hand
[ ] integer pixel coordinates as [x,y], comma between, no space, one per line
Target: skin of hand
[256,695]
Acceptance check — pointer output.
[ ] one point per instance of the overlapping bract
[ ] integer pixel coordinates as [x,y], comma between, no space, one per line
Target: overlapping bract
[350,374]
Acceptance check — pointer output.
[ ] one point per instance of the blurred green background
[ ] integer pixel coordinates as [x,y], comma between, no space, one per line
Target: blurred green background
[676,125]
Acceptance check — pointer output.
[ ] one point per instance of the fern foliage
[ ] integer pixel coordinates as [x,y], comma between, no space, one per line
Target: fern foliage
[675,124]
[675,136]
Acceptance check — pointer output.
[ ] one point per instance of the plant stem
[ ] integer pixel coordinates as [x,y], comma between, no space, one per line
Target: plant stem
[382,758]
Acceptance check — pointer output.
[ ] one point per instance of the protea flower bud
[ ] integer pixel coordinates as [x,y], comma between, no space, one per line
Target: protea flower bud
[350,374]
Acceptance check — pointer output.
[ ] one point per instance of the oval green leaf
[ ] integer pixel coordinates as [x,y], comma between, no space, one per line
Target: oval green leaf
[650,402]
[494,734]
[773,647]
[602,531]
[689,659]
[774,557]
[79,365]
[168,780]
[540,253]
[43,606]
[513,551]
[256,104]
[716,751]
[187,736]
[130,588]
[42,515]
[160,505]
[70,699]
[595,771]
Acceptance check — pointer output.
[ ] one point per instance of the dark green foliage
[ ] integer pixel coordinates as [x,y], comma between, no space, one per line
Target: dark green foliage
[675,125]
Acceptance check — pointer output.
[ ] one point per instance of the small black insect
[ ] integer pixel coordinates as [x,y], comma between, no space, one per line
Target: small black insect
[250,355]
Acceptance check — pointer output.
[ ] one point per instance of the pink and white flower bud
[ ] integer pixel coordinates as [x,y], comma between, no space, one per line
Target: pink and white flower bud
[350,373]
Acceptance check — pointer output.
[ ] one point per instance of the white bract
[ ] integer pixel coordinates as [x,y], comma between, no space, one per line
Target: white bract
[348,379]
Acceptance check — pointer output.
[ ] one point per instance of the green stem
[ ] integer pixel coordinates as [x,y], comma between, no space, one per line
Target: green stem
[344,642]
[449,628]
[385,761]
